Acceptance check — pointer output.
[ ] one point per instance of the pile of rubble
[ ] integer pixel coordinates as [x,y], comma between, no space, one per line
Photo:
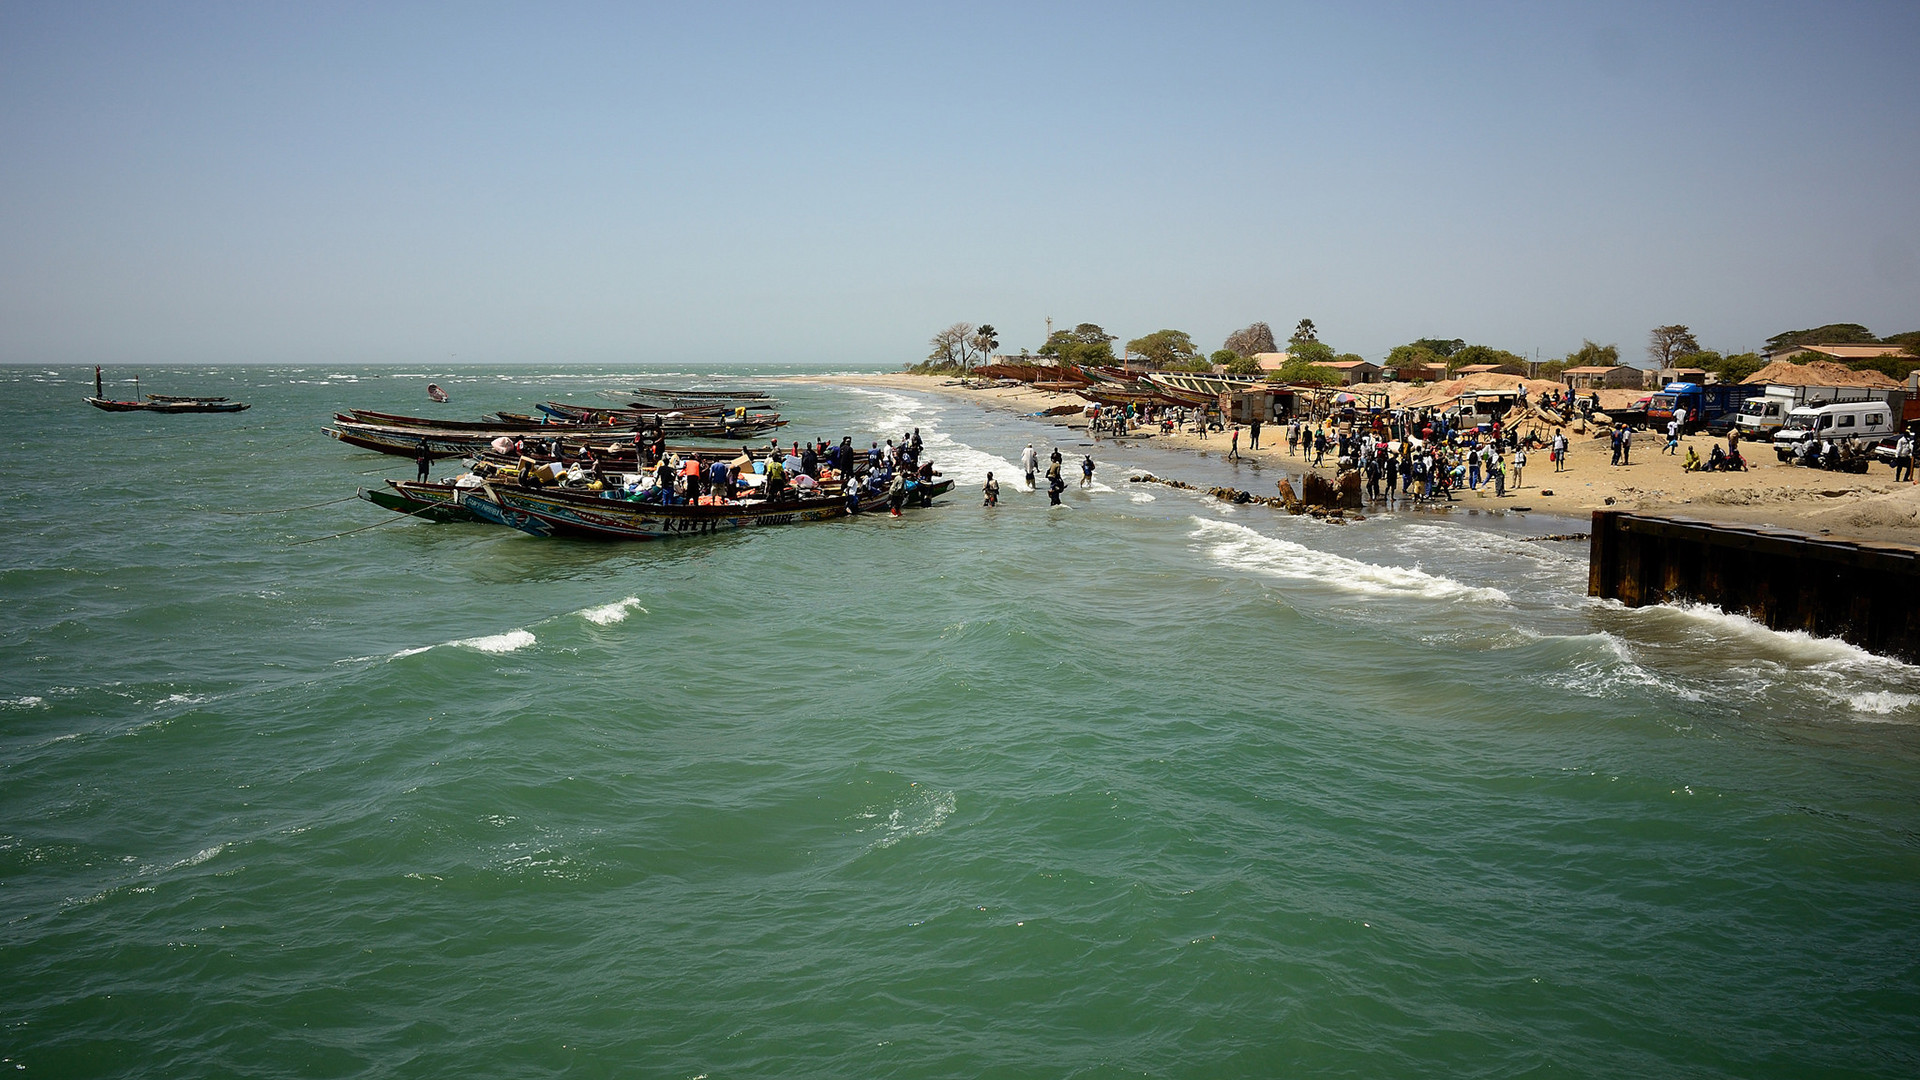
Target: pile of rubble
[1329,500]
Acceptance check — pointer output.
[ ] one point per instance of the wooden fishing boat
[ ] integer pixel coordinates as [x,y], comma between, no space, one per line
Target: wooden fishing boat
[588,514]
[160,403]
[168,406]
[405,442]
[597,414]
[504,422]
[432,500]
[435,393]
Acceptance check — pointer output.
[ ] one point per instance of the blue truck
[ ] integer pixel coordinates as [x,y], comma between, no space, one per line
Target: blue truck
[1713,407]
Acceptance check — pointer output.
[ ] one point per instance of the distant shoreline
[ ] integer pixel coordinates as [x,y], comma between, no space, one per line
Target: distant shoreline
[1867,507]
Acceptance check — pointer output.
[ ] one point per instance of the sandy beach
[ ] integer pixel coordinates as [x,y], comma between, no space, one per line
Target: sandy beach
[1869,506]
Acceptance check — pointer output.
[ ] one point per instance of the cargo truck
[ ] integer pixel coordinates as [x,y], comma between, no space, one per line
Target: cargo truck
[1704,406]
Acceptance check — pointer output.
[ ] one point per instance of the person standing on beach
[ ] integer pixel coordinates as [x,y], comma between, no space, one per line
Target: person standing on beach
[1616,445]
[1293,436]
[1903,457]
[1519,463]
[1253,435]
[1233,446]
[1673,437]
[1559,451]
[1626,446]
[1029,461]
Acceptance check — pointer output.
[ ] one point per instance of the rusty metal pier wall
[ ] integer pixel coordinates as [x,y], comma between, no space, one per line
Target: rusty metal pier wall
[1865,593]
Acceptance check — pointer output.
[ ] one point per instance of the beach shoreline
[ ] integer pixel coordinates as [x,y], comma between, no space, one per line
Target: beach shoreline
[1868,506]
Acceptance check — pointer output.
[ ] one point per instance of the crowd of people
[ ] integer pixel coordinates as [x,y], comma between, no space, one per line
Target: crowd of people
[896,472]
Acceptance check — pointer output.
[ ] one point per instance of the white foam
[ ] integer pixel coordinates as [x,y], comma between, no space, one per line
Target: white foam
[1882,702]
[1791,646]
[27,702]
[1140,496]
[925,814]
[1239,547]
[956,460]
[497,643]
[609,614]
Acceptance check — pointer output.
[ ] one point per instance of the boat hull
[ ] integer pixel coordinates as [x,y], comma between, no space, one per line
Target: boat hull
[614,519]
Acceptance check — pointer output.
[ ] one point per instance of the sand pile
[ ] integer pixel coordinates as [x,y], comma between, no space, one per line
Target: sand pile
[1896,510]
[1441,394]
[1817,373]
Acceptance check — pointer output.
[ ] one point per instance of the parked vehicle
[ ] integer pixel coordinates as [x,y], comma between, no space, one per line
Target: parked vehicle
[1763,415]
[1864,422]
[1701,404]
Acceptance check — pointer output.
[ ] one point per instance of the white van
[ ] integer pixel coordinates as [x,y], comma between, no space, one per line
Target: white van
[1852,421]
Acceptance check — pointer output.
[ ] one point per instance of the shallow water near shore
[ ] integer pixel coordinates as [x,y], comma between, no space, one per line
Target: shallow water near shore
[1144,784]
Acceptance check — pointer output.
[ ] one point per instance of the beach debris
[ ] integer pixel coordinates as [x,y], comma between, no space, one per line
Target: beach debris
[1286,500]
[1553,537]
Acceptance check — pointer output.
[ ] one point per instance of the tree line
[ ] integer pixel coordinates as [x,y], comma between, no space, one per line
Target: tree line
[961,345]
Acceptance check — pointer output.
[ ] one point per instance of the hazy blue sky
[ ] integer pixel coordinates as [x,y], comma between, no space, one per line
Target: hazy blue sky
[722,182]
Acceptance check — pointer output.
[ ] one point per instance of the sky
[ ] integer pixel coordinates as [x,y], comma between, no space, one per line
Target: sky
[834,183]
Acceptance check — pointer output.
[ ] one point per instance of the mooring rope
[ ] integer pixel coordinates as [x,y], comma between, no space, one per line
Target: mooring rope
[404,514]
[286,510]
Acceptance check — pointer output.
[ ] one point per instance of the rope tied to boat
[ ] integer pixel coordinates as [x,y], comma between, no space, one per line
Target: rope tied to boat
[404,514]
[285,510]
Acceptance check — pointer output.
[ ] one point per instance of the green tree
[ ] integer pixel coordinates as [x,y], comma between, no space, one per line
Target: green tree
[1909,341]
[1304,331]
[1667,342]
[1894,366]
[1845,333]
[1483,354]
[1310,352]
[1164,347]
[1440,346]
[1300,371]
[1235,364]
[1591,355]
[1084,344]
[985,339]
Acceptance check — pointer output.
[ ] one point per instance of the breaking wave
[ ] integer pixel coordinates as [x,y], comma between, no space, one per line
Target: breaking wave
[609,614]
[1241,548]
[497,643]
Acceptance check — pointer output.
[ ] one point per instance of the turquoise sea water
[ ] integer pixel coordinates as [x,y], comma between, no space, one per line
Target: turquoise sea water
[1144,785]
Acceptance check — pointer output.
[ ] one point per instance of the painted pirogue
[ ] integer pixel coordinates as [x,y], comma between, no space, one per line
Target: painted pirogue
[578,513]
[548,511]
[405,441]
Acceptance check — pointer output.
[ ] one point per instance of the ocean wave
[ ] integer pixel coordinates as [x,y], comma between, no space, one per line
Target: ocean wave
[1882,702]
[958,461]
[609,614]
[920,815]
[1241,548]
[1793,647]
[508,642]
[1603,665]
[29,701]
